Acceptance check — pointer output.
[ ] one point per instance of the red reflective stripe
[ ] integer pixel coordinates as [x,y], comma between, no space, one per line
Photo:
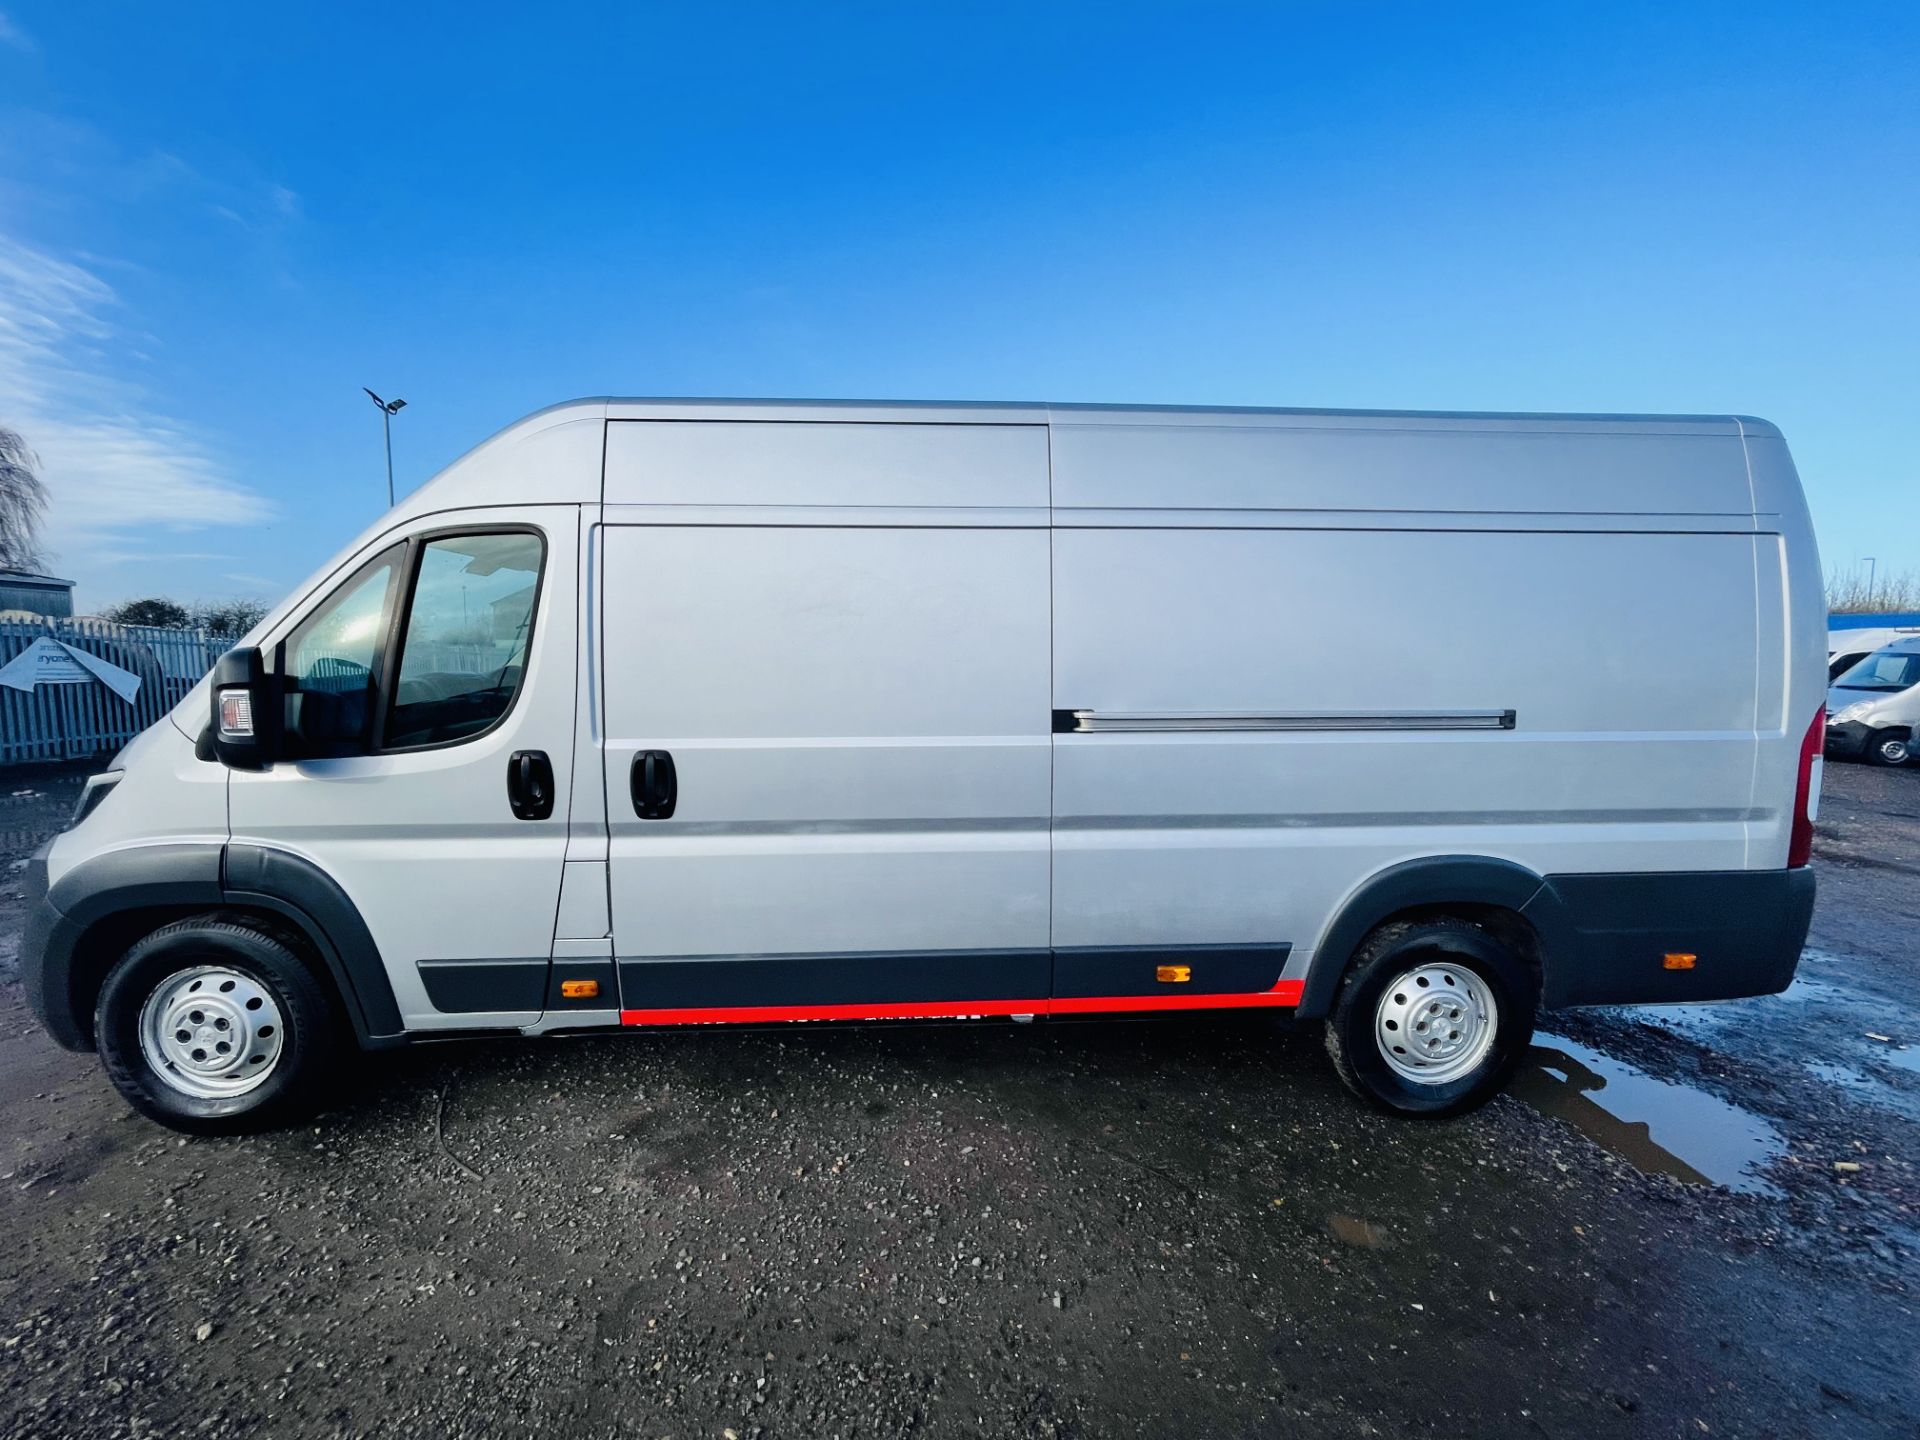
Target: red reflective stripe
[760,1014]
[1287,992]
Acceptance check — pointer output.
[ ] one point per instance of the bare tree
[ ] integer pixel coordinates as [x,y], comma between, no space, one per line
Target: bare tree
[1848,594]
[23,503]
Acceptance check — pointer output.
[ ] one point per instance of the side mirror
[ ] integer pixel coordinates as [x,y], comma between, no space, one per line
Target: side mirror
[246,719]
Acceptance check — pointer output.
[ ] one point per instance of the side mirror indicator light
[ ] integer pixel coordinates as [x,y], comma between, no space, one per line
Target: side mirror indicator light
[236,715]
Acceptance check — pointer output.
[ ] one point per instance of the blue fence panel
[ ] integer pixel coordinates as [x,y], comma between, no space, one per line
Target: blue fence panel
[70,722]
[1864,622]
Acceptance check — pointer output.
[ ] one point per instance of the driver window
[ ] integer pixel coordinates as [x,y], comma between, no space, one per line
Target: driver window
[468,627]
[329,660]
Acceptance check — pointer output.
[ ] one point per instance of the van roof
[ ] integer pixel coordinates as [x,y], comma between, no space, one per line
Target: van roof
[565,440]
[1033,412]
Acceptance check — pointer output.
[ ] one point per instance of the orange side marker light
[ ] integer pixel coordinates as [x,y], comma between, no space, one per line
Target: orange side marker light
[1678,960]
[1173,974]
[579,989]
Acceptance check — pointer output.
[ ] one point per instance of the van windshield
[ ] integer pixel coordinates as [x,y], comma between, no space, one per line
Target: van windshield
[1888,670]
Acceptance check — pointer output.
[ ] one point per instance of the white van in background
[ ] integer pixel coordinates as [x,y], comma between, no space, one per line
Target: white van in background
[1847,648]
[1873,710]
[659,713]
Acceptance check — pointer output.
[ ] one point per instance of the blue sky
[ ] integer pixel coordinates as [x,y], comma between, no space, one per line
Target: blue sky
[217,222]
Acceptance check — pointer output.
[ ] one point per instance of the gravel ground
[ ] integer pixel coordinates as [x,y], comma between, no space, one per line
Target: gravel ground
[1173,1229]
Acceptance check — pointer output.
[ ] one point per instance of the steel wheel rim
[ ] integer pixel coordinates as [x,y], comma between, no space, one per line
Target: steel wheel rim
[1436,1023]
[1894,752]
[211,1032]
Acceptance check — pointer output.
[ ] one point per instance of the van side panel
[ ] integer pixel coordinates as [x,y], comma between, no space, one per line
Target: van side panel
[1401,465]
[1618,759]
[781,464]
[858,717]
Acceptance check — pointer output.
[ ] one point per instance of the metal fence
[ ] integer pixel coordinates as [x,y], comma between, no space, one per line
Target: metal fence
[70,722]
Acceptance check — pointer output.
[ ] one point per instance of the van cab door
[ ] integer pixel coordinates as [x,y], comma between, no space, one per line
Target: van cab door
[431,712]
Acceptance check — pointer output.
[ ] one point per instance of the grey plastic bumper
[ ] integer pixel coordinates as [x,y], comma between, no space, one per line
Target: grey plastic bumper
[1848,739]
[139,877]
[1607,936]
[46,957]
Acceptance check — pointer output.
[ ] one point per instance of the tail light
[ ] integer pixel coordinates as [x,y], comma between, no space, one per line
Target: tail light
[1806,795]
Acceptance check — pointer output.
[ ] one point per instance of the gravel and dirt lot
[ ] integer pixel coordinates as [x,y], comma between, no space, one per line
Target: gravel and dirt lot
[1174,1229]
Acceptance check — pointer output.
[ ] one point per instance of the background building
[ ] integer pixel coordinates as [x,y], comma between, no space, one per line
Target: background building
[35,594]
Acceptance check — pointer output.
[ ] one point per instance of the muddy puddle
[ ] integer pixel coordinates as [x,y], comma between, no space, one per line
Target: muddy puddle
[1712,1014]
[1844,1076]
[1657,1126]
[1854,1055]
[1867,1088]
[1901,1057]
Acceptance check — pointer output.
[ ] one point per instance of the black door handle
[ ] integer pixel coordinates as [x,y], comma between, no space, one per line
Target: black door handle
[530,784]
[655,785]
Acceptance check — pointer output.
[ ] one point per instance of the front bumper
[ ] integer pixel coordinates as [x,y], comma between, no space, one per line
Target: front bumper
[1848,740]
[59,941]
[1607,936]
[46,957]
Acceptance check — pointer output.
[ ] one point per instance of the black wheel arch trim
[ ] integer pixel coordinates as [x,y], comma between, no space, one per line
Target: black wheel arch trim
[137,877]
[303,893]
[1435,880]
[189,875]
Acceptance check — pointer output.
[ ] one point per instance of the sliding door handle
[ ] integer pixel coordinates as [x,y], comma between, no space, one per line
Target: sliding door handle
[654,784]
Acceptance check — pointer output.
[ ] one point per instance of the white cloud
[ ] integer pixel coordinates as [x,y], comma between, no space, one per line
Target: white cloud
[117,473]
[11,34]
[264,211]
[170,557]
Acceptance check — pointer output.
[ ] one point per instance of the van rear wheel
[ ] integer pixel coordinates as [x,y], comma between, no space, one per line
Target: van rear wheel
[1432,1017]
[216,1028]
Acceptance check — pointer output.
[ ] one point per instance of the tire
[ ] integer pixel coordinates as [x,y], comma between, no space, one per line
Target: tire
[226,992]
[1460,962]
[1889,747]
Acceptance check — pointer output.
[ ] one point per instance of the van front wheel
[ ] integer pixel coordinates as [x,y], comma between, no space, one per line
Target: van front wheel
[1432,1017]
[1890,747]
[215,1028]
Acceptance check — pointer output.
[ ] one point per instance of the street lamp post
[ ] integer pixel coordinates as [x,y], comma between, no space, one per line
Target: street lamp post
[1873,569]
[388,409]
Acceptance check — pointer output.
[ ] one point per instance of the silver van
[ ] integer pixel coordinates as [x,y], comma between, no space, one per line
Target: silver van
[653,713]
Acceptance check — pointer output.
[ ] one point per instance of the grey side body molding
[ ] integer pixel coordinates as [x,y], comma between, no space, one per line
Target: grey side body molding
[188,877]
[1602,937]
